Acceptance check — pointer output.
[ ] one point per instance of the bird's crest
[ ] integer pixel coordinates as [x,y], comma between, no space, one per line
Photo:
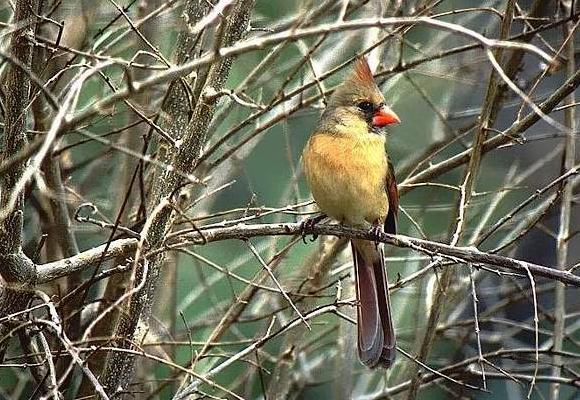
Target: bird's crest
[362,71]
[359,85]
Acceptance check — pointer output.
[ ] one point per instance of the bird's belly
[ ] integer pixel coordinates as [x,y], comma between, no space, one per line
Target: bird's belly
[347,178]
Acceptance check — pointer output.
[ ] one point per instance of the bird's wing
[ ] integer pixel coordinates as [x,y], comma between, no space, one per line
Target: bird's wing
[393,196]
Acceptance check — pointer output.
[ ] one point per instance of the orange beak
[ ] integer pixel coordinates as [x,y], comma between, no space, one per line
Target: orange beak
[385,116]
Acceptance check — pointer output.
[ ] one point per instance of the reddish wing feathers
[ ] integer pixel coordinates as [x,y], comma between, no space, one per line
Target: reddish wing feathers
[393,196]
[376,334]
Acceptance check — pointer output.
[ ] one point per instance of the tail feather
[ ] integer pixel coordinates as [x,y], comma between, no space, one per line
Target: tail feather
[376,336]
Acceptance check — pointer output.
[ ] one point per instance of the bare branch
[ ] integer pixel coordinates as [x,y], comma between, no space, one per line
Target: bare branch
[565,222]
[57,269]
[453,253]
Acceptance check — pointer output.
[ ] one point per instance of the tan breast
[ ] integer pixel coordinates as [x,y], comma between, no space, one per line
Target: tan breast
[346,174]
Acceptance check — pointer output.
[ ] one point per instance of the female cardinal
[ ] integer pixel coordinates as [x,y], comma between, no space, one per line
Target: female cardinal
[352,181]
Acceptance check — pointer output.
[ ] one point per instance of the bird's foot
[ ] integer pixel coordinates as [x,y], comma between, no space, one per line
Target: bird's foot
[309,224]
[376,231]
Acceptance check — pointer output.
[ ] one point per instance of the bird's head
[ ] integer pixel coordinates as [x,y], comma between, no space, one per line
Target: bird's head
[358,103]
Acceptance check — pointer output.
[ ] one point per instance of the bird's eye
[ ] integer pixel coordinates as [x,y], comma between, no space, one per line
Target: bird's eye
[366,106]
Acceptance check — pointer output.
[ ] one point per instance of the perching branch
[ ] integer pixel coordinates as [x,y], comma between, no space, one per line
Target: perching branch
[459,254]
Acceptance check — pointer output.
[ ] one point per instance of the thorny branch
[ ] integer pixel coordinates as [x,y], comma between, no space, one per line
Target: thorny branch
[188,237]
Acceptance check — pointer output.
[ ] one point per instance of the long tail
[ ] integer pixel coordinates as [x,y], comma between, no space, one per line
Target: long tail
[376,336]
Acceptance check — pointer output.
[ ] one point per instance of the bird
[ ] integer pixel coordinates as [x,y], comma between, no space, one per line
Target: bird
[352,180]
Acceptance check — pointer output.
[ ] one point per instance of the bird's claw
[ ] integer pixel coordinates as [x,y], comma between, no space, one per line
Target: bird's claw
[376,231]
[308,225]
